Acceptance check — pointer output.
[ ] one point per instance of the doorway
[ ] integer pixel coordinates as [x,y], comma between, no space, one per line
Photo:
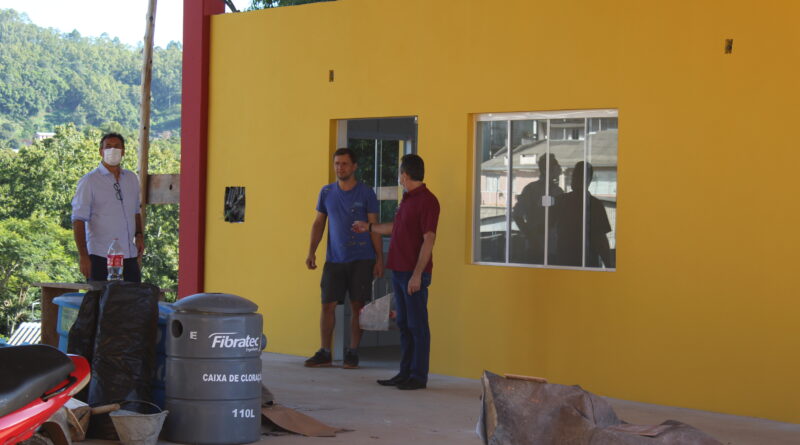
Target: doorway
[379,143]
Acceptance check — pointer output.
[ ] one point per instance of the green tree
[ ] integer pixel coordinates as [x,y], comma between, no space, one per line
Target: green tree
[49,79]
[38,183]
[31,250]
[42,177]
[263,4]
[160,262]
[79,87]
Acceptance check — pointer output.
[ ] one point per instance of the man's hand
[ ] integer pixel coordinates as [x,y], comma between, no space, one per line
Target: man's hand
[86,265]
[140,244]
[311,261]
[360,226]
[377,269]
[414,283]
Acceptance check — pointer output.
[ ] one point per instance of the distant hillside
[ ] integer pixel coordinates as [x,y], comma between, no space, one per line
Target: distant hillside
[48,78]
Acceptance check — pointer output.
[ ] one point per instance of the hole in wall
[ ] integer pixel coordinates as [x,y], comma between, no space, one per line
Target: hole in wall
[728,46]
[234,204]
[330,76]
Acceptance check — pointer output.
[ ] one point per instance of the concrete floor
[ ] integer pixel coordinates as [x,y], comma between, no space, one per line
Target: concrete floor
[446,412]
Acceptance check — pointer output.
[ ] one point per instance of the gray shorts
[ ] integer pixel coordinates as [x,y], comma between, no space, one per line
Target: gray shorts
[354,278]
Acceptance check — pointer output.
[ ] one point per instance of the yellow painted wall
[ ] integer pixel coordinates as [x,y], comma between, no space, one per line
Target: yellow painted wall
[703,309]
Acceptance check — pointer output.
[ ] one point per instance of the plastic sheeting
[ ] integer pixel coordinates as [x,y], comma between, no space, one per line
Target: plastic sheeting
[116,331]
[524,412]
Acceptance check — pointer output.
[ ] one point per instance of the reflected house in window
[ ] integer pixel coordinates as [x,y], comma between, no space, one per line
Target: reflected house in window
[532,192]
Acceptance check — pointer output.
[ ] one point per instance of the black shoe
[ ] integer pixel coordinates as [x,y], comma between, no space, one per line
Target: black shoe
[319,360]
[412,383]
[350,358]
[394,381]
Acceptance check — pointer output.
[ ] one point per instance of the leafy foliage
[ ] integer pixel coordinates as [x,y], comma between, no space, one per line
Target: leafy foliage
[37,184]
[31,250]
[160,265]
[48,79]
[78,88]
[263,4]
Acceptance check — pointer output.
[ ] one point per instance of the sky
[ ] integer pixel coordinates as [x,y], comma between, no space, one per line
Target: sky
[118,18]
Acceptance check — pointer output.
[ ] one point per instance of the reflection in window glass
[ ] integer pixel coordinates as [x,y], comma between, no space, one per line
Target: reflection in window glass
[378,167]
[559,208]
[531,182]
[567,217]
[601,147]
[492,200]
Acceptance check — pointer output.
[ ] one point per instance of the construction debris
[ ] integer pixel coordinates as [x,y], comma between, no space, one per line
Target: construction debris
[296,422]
[78,414]
[279,418]
[520,410]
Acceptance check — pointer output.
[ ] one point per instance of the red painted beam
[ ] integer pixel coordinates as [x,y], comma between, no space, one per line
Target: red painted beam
[194,141]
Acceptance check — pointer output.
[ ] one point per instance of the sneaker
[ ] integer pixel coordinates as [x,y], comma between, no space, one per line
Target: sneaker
[350,358]
[319,360]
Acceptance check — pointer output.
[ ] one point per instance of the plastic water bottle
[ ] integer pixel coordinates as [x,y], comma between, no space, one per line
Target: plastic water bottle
[114,260]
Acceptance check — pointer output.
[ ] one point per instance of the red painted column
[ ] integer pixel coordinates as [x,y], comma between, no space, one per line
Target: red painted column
[194,140]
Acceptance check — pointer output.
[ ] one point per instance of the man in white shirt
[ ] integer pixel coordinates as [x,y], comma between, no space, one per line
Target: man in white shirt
[105,208]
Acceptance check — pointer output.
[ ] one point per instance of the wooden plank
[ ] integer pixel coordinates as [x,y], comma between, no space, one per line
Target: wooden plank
[164,189]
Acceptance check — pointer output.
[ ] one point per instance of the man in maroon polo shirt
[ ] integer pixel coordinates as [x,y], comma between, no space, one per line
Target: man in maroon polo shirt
[411,261]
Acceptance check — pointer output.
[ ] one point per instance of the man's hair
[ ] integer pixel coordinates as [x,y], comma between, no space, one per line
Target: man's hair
[542,161]
[348,152]
[413,166]
[112,135]
[577,174]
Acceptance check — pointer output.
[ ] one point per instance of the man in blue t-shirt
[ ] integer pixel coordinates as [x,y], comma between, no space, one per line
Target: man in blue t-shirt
[352,259]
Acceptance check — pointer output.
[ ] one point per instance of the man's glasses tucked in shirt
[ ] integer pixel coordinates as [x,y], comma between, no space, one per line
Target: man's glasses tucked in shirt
[117,191]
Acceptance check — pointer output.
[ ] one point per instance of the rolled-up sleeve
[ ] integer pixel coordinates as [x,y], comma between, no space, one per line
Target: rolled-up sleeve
[82,202]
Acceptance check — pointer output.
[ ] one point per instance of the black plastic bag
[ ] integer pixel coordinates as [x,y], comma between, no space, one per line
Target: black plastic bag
[121,348]
[81,335]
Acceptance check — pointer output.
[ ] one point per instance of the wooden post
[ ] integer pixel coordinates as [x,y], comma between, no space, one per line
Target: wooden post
[144,126]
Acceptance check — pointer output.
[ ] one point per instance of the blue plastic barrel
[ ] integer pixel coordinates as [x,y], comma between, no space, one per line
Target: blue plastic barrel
[68,306]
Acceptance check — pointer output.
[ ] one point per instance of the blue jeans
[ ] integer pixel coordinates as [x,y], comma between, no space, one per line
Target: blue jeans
[412,319]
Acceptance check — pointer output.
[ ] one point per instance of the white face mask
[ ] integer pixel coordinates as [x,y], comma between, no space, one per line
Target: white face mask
[112,156]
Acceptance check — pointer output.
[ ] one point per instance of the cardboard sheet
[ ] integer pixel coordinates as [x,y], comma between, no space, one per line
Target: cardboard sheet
[296,422]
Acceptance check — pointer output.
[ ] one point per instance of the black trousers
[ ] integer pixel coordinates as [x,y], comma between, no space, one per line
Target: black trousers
[130,269]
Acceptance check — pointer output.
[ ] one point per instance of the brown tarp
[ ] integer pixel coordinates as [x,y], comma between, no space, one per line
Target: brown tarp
[527,412]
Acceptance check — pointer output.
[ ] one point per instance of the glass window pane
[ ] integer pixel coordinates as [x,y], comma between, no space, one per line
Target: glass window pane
[558,207]
[365,151]
[567,214]
[492,196]
[390,163]
[601,214]
[389,171]
[529,187]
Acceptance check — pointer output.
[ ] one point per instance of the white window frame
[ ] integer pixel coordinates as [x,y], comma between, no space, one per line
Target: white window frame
[476,198]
